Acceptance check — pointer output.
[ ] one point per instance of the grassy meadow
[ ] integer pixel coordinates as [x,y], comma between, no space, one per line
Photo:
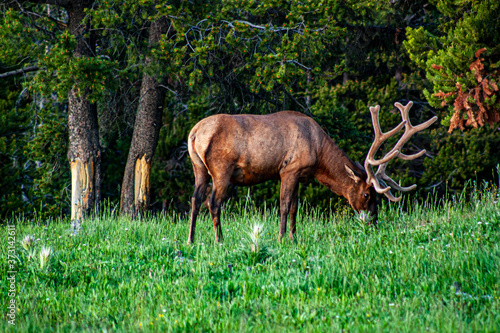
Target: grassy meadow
[431,267]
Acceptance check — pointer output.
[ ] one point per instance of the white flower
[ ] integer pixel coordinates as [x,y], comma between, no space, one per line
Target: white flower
[27,242]
[363,216]
[479,222]
[256,233]
[391,304]
[390,252]
[45,253]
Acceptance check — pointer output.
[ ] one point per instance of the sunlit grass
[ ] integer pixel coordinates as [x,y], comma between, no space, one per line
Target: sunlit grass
[433,266]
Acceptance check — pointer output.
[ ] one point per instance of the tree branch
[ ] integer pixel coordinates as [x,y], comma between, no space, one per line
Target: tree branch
[19,71]
[62,3]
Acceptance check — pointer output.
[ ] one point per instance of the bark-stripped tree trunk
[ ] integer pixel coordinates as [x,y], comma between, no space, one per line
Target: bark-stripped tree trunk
[135,195]
[84,152]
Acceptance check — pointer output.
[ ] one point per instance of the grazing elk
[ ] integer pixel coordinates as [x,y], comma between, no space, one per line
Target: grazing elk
[292,147]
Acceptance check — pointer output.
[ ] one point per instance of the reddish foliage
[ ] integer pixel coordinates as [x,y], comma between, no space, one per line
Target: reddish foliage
[472,101]
[436,67]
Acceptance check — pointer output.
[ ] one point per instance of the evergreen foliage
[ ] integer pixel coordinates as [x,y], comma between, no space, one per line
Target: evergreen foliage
[461,59]
[13,131]
[328,59]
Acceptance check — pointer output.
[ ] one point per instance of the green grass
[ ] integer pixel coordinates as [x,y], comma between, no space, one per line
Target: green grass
[119,274]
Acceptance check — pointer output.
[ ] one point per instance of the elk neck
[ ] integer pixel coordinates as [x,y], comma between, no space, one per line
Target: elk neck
[331,170]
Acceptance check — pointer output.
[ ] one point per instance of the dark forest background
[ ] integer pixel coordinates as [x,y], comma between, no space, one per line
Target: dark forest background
[328,59]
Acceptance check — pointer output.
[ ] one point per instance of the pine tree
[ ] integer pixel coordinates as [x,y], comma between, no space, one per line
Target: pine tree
[461,59]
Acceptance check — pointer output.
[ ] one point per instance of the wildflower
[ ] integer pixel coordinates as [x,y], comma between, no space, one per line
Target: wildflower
[390,252]
[163,238]
[256,233]
[45,253]
[479,222]
[391,304]
[126,229]
[363,216]
[27,242]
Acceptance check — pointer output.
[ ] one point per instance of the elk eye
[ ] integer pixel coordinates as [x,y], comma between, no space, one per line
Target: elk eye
[366,195]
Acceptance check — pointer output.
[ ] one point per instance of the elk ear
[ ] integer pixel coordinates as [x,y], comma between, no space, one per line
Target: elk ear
[352,174]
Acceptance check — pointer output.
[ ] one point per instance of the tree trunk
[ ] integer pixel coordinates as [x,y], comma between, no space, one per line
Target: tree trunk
[135,194]
[84,152]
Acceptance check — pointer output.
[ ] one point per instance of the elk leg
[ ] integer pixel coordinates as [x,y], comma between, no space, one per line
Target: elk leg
[294,205]
[289,185]
[200,186]
[218,194]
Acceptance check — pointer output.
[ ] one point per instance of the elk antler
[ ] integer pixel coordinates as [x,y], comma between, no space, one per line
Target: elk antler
[380,181]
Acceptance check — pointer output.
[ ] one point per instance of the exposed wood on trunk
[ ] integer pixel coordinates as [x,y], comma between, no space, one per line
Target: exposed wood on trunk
[141,183]
[82,187]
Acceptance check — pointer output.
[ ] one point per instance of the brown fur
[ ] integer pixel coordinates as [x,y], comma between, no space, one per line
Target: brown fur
[251,149]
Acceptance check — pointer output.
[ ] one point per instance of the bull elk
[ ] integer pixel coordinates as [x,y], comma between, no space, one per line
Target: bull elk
[291,147]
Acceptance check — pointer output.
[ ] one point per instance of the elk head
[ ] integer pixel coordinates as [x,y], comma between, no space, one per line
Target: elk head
[361,195]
